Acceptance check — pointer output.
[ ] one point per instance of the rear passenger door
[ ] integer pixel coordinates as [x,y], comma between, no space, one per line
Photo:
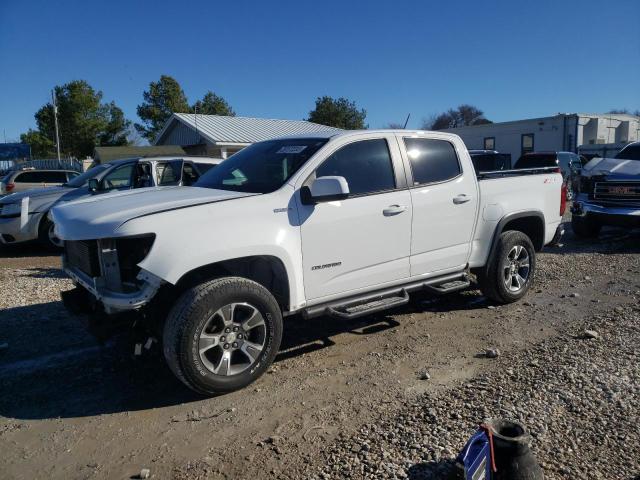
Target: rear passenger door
[362,241]
[445,199]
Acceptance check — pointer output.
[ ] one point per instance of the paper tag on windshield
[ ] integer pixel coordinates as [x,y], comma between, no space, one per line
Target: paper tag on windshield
[292,149]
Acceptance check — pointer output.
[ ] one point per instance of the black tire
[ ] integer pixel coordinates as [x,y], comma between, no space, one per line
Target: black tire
[194,311]
[585,227]
[44,235]
[492,279]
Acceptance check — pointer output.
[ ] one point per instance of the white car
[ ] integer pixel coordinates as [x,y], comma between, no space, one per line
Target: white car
[340,224]
[23,216]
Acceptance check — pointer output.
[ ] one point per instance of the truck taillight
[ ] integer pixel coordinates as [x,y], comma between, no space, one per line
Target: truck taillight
[563,198]
[9,186]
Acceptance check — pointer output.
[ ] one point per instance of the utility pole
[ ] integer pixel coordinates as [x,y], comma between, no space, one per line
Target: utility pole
[55,117]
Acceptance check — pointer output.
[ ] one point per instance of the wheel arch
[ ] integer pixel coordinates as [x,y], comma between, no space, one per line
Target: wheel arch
[531,223]
[267,270]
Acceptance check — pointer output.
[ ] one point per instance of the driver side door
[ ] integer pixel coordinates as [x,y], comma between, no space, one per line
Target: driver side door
[364,240]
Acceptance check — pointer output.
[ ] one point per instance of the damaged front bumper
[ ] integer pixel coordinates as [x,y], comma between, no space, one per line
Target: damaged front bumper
[117,302]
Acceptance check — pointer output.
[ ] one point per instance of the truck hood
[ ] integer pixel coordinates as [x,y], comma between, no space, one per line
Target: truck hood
[100,215]
[614,168]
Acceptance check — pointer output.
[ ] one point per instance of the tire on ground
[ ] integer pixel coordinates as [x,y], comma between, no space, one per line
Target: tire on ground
[188,318]
[491,277]
[43,234]
[585,227]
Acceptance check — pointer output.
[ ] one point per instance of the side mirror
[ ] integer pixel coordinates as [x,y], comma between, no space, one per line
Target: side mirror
[94,185]
[326,189]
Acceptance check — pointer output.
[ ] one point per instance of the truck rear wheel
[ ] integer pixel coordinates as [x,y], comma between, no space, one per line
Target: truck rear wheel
[222,335]
[585,227]
[510,271]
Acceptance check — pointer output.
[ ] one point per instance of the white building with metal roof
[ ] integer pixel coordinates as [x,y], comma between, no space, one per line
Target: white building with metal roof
[585,133]
[221,136]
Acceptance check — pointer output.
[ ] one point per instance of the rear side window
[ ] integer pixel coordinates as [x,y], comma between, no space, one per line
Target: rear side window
[366,165]
[41,177]
[432,160]
[169,173]
[189,174]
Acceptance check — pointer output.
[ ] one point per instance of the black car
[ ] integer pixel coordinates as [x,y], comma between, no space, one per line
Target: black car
[490,160]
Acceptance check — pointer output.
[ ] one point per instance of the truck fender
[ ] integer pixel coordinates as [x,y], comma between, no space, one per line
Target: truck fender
[536,222]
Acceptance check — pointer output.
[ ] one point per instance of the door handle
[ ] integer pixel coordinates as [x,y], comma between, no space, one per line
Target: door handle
[393,210]
[462,198]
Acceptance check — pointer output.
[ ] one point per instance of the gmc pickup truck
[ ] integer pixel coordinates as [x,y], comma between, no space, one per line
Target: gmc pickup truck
[342,224]
[608,193]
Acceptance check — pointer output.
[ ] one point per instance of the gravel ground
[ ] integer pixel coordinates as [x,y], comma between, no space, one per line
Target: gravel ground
[393,395]
[578,396]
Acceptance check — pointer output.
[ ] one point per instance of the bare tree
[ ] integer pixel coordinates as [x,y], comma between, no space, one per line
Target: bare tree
[462,116]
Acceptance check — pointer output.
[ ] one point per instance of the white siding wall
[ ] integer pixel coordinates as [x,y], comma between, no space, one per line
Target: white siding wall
[547,132]
[556,133]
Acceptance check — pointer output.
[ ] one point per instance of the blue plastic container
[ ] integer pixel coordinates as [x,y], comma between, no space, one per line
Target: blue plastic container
[476,457]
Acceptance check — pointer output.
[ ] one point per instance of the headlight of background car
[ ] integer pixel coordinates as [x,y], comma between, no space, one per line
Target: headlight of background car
[10,210]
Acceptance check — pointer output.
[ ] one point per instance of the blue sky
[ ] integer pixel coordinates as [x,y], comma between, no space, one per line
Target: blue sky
[513,59]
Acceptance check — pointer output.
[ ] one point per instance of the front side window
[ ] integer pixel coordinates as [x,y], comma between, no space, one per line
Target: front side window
[82,179]
[55,177]
[366,165]
[262,167]
[432,160]
[119,178]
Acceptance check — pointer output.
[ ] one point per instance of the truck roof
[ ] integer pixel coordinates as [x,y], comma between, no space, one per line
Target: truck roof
[347,133]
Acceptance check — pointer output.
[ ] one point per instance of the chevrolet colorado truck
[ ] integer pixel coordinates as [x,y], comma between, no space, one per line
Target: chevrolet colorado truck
[341,224]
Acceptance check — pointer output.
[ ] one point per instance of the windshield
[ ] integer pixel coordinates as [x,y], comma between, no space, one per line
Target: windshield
[630,152]
[81,180]
[262,167]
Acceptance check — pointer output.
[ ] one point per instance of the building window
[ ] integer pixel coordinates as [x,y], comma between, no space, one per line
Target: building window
[527,142]
[489,143]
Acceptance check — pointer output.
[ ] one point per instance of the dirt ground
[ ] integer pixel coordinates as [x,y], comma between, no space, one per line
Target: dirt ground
[73,409]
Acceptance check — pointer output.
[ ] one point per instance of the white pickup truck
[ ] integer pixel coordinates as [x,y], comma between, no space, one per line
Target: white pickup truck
[341,224]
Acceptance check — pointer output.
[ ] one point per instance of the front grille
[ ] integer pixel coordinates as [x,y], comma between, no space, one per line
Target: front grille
[83,255]
[617,192]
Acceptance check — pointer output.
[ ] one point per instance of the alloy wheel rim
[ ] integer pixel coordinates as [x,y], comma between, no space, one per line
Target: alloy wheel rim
[516,268]
[232,339]
[53,238]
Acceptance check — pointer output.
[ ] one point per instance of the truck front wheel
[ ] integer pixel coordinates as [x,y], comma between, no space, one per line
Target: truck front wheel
[222,335]
[510,271]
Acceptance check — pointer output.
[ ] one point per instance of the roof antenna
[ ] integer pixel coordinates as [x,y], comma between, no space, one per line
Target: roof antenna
[406,121]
